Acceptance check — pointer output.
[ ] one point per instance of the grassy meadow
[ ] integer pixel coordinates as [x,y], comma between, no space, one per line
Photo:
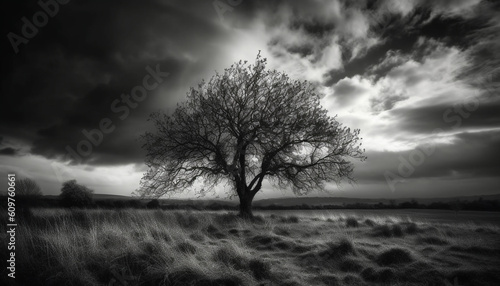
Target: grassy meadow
[157,247]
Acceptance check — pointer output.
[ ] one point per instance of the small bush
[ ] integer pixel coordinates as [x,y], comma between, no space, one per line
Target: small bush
[351,222]
[76,195]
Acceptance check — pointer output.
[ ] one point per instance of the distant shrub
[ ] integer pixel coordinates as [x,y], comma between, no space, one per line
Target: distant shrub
[153,204]
[76,195]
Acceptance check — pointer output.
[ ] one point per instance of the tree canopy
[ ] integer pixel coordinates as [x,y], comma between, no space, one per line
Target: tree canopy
[245,125]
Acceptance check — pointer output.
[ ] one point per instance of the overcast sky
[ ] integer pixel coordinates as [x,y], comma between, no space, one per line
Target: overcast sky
[419,78]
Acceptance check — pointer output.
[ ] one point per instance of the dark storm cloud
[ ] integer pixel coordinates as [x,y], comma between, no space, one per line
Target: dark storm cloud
[401,33]
[474,113]
[8,151]
[65,79]
[469,155]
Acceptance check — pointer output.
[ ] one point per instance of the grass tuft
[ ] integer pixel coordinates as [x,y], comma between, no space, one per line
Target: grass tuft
[394,256]
[290,219]
[158,247]
[342,248]
[432,240]
[370,222]
[186,247]
[351,222]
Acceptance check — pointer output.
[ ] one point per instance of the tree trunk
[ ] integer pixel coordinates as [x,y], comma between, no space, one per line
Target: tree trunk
[246,206]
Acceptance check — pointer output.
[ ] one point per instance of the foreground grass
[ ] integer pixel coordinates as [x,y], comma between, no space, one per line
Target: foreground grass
[148,247]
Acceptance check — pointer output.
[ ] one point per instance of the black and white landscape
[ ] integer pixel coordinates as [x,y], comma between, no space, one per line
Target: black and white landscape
[240,142]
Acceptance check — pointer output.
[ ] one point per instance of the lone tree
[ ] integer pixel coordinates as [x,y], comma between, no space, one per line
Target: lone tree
[243,126]
[28,188]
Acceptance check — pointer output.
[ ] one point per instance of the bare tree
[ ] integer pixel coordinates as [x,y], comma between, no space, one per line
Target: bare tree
[243,126]
[28,188]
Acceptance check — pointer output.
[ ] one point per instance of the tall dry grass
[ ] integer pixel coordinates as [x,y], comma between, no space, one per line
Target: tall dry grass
[155,247]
